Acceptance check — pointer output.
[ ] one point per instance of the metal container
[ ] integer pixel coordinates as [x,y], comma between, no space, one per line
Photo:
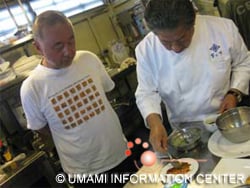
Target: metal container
[234,124]
[185,139]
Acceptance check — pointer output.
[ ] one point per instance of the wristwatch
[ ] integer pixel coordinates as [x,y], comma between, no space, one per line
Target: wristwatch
[237,94]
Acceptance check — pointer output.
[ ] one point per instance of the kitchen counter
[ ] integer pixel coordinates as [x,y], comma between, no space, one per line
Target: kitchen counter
[206,160]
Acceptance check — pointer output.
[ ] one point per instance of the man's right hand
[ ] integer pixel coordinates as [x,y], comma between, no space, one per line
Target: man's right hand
[158,134]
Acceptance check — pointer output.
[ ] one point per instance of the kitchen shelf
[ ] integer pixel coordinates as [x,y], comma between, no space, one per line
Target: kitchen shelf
[16,44]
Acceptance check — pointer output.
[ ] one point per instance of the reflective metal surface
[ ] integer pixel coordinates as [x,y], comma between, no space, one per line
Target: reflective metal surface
[184,139]
[207,161]
[234,124]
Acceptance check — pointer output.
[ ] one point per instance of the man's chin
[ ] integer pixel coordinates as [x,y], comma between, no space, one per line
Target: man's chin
[67,63]
[179,51]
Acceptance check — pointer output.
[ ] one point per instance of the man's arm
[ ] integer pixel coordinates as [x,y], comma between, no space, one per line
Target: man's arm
[158,134]
[47,139]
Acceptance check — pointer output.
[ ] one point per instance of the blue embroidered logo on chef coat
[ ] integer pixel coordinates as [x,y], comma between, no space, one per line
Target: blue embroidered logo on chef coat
[215,50]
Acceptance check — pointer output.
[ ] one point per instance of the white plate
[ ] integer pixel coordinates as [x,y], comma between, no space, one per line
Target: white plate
[194,166]
[237,169]
[233,166]
[221,147]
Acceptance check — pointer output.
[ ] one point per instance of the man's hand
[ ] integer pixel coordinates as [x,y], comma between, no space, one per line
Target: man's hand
[158,134]
[230,101]
[46,137]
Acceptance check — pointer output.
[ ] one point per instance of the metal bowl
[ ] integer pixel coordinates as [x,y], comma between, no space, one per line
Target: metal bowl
[234,124]
[179,141]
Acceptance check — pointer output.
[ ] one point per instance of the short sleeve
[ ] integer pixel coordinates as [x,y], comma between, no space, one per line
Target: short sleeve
[30,103]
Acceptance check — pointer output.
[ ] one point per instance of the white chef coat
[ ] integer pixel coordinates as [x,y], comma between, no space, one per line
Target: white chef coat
[192,83]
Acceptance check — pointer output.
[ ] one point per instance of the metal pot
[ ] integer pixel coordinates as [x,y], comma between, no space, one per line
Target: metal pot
[185,139]
[234,124]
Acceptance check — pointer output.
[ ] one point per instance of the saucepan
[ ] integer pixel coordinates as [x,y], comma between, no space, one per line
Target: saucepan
[234,124]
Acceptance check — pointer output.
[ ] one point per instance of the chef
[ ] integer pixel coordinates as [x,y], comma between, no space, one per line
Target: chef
[196,65]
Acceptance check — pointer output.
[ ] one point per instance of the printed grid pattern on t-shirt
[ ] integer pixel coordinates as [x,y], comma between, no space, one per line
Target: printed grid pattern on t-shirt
[78,103]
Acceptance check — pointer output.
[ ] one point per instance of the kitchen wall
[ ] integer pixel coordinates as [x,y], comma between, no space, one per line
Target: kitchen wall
[95,29]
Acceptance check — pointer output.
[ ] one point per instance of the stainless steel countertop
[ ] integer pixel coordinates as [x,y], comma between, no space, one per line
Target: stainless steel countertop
[207,161]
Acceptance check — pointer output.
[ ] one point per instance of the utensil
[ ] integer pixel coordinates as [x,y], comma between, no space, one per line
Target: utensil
[175,163]
[185,134]
[234,124]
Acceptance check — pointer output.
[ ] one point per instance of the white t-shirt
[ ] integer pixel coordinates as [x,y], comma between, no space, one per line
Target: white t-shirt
[72,101]
[192,83]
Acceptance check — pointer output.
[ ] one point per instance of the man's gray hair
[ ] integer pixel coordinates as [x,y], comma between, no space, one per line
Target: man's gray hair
[48,18]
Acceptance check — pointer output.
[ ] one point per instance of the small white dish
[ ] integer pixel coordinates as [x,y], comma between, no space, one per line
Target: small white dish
[210,123]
